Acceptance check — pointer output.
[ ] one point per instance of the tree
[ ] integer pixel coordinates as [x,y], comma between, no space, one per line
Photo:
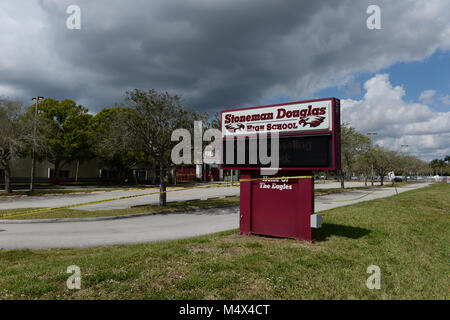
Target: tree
[407,164]
[12,136]
[353,145]
[157,115]
[384,161]
[214,122]
[364,164]
[68,134]
[357,155]
[438,165]
[113,143]
[422,167]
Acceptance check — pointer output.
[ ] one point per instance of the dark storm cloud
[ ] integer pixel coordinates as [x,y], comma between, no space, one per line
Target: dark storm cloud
[213,53]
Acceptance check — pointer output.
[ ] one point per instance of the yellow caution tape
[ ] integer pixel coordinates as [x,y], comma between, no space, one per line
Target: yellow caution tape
[40,210]
[275,178]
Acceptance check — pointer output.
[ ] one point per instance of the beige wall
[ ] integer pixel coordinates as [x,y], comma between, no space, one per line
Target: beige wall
[87,169]
[21,168]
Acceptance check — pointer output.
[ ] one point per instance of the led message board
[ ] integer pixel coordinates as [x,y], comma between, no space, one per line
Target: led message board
[308,131]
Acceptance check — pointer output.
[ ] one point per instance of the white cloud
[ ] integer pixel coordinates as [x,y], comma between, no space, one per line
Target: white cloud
[445,100]
[427,96]
[397,122]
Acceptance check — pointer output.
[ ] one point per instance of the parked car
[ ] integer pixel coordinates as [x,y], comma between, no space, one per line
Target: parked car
[397,179]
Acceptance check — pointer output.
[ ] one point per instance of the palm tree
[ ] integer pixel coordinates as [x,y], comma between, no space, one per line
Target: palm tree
[438,165]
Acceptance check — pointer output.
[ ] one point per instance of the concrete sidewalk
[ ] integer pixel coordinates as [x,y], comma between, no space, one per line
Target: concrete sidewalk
[348,197]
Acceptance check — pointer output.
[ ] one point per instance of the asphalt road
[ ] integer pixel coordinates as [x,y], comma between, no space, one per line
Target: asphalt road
[153,227]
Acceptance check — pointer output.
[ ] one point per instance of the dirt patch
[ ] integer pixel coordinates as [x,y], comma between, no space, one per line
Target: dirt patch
[233,251]
[199,249]
[284,242]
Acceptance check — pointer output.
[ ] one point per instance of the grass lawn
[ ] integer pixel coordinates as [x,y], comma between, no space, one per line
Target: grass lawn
[406,235]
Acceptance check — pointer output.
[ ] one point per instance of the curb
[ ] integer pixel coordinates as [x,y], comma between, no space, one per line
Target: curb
[124,216]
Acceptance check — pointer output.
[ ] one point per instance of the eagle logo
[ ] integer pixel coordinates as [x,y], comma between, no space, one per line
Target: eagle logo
[313,121]
[234,127]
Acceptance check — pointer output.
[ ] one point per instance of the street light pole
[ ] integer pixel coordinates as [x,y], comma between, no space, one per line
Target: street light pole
[371,135]
[33,154]
[404,146]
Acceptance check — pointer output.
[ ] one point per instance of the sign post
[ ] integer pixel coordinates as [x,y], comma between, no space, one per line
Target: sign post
[308,137]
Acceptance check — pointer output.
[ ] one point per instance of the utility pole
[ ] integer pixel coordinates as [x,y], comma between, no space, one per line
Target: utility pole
[371,135]
[33,155]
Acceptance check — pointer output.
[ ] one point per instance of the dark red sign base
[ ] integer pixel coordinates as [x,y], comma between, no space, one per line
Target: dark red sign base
[279,208]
